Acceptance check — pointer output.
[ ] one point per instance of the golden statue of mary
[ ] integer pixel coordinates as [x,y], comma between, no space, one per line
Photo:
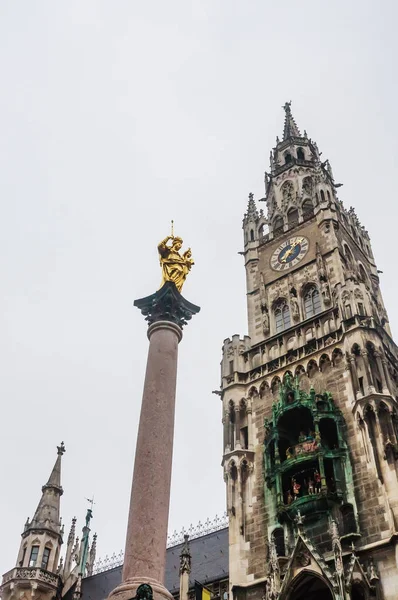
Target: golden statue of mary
[175,267]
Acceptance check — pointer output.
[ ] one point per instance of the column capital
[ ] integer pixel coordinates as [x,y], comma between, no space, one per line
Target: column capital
[167,304]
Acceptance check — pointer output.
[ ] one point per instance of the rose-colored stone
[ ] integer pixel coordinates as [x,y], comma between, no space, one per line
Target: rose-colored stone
[145,554]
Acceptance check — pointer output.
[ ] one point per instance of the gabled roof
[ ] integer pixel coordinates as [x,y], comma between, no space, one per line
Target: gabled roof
[305,557]
[209,563]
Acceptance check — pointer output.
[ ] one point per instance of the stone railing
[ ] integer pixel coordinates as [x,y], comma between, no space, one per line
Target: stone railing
[177,537]
[31,573]
[305,447]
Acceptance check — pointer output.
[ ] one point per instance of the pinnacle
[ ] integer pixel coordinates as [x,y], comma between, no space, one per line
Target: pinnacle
[47,511]
[290,128]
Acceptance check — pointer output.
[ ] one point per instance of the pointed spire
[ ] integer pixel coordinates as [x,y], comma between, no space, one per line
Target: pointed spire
[185,557]
[72,532]
[93,553]
[47,511]
[252,212]
[290,129]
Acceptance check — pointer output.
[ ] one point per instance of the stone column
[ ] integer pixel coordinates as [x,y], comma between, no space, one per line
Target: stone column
[353,370]
[145,555]
[382,373]
[249,426]
[237,427]
[225,422]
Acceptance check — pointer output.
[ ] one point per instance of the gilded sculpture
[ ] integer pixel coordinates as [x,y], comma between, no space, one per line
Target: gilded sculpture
[175,266]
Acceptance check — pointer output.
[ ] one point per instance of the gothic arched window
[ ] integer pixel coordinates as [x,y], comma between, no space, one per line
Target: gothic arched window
[300,154]
[288,157]
[308,209]
[282,317]
[292,217]
[312,302]
[278,225]
[278,536]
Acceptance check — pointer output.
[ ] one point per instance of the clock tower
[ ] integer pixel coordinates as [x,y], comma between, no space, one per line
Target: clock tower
[310,414]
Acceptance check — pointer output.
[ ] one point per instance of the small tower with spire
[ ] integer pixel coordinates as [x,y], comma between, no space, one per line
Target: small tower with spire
[185,568]
[36,571]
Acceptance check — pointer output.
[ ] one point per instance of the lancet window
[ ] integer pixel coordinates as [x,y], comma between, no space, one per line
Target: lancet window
[308,209]
[282,317]
[312,302]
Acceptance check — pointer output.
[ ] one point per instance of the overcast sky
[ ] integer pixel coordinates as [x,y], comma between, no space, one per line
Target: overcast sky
[115,117]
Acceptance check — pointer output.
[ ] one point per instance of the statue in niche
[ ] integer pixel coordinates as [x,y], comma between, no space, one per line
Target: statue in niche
[325,292]
[295,308]
[265,322]
[287,194]
[320,265]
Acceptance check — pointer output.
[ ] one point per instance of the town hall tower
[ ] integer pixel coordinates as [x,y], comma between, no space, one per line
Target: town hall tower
[310,415]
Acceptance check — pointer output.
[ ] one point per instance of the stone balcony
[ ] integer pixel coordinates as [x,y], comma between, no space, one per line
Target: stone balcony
[30,575]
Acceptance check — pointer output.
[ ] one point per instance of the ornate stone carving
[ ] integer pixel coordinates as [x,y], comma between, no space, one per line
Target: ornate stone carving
[303,558]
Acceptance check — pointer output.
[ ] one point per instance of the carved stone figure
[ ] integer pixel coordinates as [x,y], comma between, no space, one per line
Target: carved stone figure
[325,292]
[265,322]
[295,309]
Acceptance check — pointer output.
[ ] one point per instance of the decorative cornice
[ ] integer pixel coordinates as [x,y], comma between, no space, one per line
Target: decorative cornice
[167,304]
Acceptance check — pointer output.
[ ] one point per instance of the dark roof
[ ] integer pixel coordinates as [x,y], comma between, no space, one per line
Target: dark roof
[209,563]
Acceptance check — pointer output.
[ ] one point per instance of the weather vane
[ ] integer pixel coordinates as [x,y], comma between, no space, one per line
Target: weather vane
[91,501]
[175,266]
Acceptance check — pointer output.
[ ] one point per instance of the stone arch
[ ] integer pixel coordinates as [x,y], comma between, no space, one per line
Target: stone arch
[253,392]
[292,216]
[281,313]
[275,384]
[278,537]
[264,389]
[300,371]
[311,300]
[324,363]
[362,276]
[307,209]
[277,225]
[337,357]
[312,368]
[309,585]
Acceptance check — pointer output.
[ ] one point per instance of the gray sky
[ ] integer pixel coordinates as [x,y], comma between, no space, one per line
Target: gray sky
[116,116]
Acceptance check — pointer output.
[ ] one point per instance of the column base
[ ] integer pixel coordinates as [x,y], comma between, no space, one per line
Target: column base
[128,589]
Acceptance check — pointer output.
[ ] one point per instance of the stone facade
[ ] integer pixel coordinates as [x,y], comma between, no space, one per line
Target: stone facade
[319,356]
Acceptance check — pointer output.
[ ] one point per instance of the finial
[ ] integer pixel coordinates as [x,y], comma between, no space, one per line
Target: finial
[185,556]
[61,449]
[175,267]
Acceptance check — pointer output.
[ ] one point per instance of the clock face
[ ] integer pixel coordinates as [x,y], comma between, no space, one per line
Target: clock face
[289,253]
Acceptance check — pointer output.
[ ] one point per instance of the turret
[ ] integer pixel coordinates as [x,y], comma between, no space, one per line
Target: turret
[37,562]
